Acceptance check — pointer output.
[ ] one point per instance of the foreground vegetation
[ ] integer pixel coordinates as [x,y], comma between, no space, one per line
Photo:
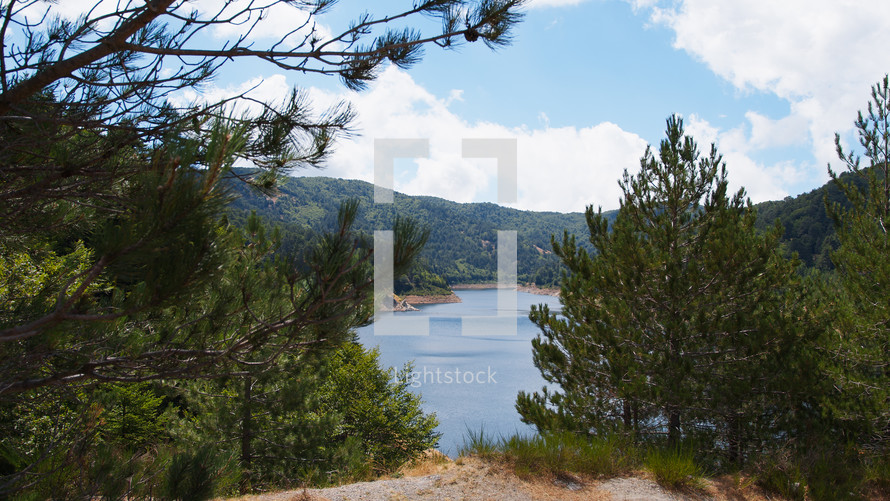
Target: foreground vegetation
[687,325]
[150,346]
[156,343]
[820,474]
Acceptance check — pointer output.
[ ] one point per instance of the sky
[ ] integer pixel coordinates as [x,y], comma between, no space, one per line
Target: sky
[588,84]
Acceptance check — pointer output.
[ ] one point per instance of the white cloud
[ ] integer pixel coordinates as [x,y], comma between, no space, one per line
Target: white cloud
[559,169]
[72,10]
[274,20]
[272,89]
[553,3]
[761,181]
[769,133]
[819,55]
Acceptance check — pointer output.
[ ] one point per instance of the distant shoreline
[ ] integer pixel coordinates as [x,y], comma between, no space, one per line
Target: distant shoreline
[414,300]
[432,299]
[530,289]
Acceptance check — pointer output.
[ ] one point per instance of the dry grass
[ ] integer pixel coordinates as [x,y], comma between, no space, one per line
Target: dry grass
[301,495]
[431,462]
[736,488]
[494,478]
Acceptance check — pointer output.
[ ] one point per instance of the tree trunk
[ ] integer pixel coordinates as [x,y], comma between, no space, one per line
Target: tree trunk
[246,435]
[627,414]
[734,440]
[673,427]
[636,419]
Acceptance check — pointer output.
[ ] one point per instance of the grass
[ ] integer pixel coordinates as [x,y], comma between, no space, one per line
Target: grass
[554,454]
[559,455]
[480,444]
[674,468]
[804,473]
[568,453]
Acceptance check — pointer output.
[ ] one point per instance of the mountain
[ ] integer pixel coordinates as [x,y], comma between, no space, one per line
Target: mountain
[463,236]
[809,231]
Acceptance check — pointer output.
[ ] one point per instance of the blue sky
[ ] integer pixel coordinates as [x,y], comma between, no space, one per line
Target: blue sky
[593,82]
[587,84]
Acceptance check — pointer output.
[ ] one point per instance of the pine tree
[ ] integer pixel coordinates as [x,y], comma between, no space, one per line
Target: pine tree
[676,323]
[118,263]
[861,348]
[93,150]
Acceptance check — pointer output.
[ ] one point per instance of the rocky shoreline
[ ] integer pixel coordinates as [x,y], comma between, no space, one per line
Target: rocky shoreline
[528,288]
[407,303]
[437,299]
[541,291]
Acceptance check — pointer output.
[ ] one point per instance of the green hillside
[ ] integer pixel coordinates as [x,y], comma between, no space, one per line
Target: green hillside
[808,230]
[463,237]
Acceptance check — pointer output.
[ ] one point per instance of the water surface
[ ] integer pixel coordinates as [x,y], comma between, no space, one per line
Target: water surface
[469,382]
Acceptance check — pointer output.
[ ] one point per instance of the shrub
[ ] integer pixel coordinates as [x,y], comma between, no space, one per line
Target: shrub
[674,468]
[556,453]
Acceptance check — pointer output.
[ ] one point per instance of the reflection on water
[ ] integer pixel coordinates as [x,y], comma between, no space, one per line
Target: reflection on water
[470,382]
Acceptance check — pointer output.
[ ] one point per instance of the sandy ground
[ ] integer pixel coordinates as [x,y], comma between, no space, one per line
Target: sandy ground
[476,479]
[440,299]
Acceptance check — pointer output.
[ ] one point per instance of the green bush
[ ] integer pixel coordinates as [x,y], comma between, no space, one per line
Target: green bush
[674,468]
[477,443]
[556,453]
[194,475]
[377,408]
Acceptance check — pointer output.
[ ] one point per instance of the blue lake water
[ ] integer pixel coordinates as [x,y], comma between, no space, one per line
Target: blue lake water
[469,381]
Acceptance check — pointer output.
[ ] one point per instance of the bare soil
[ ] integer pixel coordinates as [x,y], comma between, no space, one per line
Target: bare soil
[468,478]
[437,299]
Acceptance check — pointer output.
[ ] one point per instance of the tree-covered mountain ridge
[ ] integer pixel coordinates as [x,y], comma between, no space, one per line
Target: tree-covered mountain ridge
[462,247]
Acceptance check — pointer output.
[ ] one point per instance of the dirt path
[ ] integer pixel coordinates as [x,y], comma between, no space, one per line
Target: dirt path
[474,479]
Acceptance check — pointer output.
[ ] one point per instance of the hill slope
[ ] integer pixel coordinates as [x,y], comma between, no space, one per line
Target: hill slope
[463,239]
[808,229]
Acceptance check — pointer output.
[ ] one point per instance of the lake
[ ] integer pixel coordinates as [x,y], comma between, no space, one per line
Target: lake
[472,363]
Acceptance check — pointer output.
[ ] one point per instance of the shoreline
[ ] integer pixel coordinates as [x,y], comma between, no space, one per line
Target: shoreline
[436,299]
[413,300]
[530,289]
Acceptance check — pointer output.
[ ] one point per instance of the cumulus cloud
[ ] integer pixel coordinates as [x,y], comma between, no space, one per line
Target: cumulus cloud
[274,21]
[553,3]
[69,10]
[819,55]
[559,169]
[272,89]
[761,181]
[769,133]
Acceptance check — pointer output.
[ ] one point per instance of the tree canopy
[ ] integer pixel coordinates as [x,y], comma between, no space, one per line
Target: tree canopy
[676,324]
[100,169]
[117,261]
[861,340]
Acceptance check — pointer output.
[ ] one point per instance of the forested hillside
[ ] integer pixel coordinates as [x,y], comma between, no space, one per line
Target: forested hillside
[463,237]
[809,230]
